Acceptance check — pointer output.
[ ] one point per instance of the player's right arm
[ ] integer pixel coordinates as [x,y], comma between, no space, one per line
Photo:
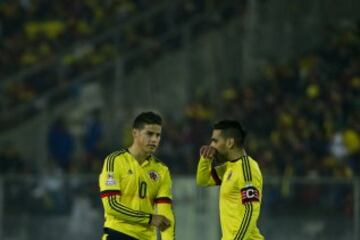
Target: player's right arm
[207,175]
[110,192]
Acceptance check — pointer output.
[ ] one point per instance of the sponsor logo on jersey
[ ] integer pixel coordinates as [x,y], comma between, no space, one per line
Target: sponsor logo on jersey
[110,181]
[154,175]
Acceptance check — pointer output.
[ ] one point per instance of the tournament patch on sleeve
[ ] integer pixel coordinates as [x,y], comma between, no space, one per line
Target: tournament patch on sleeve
[110,181]
[249,194]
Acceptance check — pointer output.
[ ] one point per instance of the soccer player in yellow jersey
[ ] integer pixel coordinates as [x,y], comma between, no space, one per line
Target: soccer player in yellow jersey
[239,178]
[135,187]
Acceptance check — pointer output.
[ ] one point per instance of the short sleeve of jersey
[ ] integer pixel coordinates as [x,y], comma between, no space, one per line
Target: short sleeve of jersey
[250,190]
[110,175]
[165,186]
[251,187]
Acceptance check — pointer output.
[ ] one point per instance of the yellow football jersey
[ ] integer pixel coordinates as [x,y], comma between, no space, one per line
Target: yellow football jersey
[131,193]
[240,195]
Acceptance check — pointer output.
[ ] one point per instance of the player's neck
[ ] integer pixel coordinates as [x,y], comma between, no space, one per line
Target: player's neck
[236,154]
[137,153]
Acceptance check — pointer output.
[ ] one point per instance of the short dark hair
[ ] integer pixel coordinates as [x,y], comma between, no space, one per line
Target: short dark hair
[146,118]
[232,129]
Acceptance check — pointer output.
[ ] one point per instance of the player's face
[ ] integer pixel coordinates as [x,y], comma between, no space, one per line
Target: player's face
[148,138]
[219,143]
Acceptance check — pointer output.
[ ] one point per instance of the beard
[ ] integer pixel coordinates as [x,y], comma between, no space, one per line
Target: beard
[220,158]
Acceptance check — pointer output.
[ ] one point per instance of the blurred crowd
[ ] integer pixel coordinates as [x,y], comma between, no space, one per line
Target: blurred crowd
[302,119]
[35,33]
[32,31]
[46,45]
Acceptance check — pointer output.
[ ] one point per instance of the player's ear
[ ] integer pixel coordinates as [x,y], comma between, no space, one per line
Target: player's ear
[230,143]
[135,132]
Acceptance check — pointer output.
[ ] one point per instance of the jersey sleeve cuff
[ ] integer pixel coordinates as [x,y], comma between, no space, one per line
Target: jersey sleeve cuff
[163,200]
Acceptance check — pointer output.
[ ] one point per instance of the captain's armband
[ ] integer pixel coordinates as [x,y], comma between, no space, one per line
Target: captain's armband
[249,194]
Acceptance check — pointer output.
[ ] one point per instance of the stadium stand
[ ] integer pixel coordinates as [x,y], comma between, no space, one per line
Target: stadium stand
[302,116]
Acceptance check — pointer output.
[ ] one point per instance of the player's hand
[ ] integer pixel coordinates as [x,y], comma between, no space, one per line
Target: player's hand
[160,222]
[207,152]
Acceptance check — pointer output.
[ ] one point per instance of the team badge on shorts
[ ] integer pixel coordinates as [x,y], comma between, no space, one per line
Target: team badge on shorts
[110,181]
[154,175]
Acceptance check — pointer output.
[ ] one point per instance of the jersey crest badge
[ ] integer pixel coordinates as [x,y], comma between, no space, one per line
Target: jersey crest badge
[130,172]
[154,175]
[110,181]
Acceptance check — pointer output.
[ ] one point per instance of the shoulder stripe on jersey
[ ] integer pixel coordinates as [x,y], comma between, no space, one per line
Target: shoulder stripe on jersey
[124,210]
[244,168]
[111,160]
[247,163]
[108,160]
[245,222]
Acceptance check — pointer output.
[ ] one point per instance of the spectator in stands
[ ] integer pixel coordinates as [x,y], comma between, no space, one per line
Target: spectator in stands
[93,141]
[61,144]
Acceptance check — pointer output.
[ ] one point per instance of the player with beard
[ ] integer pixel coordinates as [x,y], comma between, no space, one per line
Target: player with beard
[239,177]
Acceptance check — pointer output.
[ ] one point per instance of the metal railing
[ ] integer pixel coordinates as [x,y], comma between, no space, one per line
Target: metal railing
[319,208]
